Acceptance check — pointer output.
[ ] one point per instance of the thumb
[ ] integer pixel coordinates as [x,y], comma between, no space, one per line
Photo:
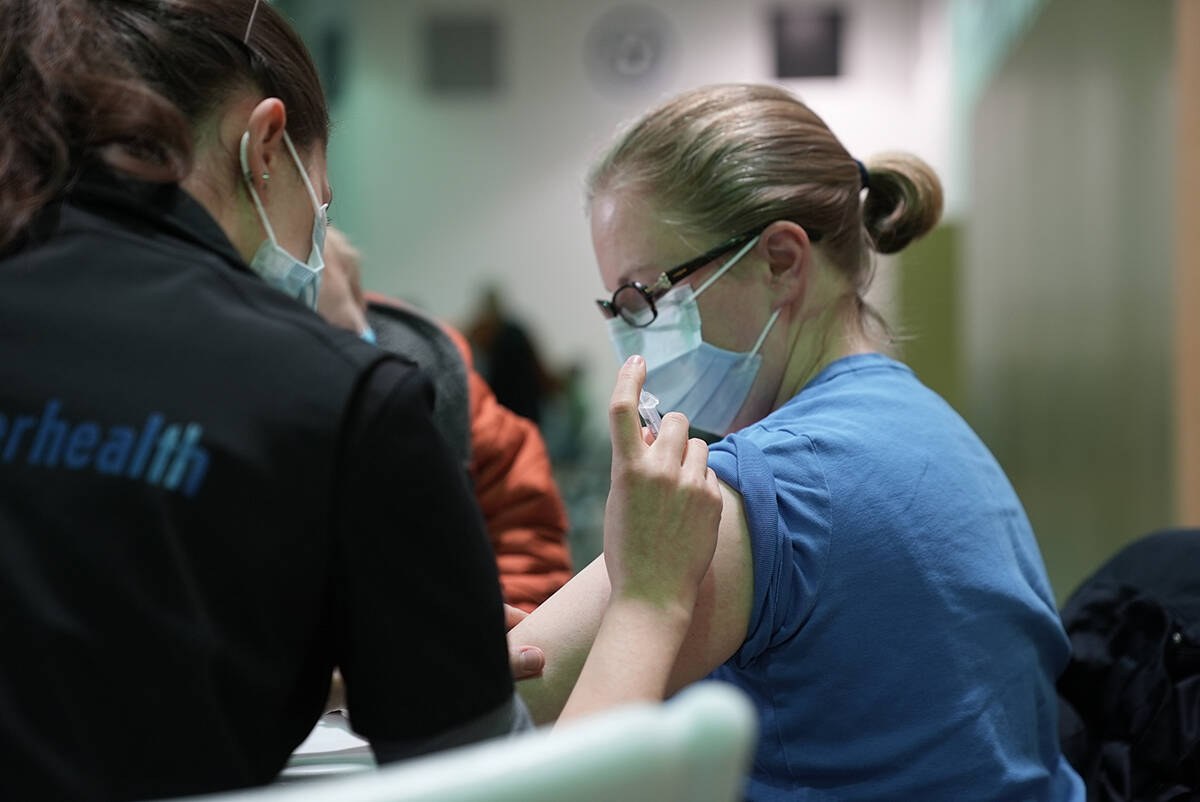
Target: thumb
[526,661]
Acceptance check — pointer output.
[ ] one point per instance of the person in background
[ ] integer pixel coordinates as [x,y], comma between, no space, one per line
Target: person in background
[508,358]
[877,589]
[504,453]
[208,496]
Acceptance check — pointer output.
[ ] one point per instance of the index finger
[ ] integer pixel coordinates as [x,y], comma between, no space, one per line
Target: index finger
[623,421]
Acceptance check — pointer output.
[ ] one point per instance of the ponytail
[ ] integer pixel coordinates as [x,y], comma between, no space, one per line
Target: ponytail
[903,201]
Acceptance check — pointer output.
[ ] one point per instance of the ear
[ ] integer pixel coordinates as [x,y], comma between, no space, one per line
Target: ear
[788,254]
[264,145]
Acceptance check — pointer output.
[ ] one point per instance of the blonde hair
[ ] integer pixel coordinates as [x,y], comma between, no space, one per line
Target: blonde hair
[731,158]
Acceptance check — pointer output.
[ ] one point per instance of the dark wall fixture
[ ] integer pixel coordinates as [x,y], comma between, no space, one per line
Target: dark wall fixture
[462,54]
[808,42]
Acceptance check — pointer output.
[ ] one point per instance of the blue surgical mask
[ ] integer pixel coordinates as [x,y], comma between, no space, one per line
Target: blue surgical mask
[706,383]
[273,264]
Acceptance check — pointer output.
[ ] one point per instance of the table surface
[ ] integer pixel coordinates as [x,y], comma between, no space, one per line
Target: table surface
[331,748]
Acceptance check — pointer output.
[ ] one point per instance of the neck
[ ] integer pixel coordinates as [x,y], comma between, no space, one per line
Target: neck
[232,220]
[830,334]
[216,184]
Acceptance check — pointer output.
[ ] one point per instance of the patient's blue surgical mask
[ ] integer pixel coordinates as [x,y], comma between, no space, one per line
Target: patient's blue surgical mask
[706,383]
[272,263]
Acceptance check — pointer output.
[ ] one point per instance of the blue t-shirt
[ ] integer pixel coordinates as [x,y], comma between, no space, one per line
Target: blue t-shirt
[904,642]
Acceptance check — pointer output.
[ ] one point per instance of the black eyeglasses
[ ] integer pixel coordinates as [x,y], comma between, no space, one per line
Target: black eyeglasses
[633,301]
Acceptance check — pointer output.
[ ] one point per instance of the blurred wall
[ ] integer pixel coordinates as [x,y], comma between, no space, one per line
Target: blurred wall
[446,193]
[1187,261]
[984,33]
[1067,283]
[928,321]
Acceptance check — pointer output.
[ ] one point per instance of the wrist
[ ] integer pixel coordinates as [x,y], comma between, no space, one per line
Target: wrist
[669,617]
[654,591]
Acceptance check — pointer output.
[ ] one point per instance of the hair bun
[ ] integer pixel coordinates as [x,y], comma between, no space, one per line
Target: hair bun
[903,201]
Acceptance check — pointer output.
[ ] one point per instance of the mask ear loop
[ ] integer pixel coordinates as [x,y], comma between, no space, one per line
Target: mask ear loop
[725,267]
[245,160]
[262,212]
[312,193]
[763,337]
[321,222]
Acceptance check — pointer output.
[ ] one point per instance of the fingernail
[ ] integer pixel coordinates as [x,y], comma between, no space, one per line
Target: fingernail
[634,360]
[530,660]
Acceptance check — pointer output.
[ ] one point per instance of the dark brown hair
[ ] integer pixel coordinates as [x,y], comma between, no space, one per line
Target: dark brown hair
[126,81]
[722,160]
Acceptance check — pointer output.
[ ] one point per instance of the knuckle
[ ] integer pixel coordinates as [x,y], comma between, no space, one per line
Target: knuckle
[621,407]
[640,472]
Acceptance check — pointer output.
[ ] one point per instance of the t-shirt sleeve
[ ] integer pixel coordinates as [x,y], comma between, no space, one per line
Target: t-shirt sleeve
[420,619]
[788,515]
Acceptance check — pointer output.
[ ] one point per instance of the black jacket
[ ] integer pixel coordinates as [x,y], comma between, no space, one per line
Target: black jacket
[1130,697]
[209,498]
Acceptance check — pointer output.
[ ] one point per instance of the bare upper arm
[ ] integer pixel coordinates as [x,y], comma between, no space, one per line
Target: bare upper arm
[566,624]
[722,614]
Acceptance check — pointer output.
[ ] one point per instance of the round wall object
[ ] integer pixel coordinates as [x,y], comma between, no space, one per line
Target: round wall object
[628,46]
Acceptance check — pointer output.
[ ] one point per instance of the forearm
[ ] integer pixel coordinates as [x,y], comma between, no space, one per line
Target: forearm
[567,623]
[564,627]
[629,627]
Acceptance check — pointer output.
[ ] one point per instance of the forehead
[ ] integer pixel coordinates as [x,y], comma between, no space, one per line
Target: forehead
[631,240]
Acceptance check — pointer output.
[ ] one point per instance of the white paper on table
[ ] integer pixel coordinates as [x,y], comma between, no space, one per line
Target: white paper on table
[331,748]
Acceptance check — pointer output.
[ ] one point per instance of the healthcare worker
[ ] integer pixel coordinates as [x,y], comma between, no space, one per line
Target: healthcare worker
[208,497]
[876,589]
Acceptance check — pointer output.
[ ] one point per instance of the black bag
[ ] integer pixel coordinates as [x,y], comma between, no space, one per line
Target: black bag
[1129,699]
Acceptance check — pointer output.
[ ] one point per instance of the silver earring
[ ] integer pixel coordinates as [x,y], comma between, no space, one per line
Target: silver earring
[266,176]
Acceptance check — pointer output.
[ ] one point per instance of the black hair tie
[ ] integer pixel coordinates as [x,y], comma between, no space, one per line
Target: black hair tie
[864,175]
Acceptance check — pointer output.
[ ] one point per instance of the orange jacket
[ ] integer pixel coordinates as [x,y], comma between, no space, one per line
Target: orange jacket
[525,516]
[516,491]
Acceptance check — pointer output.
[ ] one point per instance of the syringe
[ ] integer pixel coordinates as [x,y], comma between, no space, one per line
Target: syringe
[648,409]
